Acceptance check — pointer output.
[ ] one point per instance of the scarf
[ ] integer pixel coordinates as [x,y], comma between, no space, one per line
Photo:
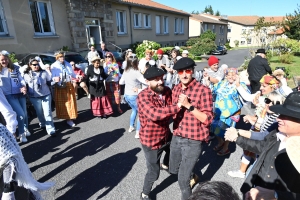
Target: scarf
[115,69]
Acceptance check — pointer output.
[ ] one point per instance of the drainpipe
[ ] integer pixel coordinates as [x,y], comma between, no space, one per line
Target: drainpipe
[130,24]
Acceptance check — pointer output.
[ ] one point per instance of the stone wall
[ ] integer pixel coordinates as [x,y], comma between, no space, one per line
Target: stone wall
[78,10]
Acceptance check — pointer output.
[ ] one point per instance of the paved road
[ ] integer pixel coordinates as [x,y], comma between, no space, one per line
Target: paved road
[99,159]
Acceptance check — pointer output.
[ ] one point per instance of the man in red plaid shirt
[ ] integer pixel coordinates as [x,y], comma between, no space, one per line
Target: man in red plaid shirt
[191,125]
[155,110]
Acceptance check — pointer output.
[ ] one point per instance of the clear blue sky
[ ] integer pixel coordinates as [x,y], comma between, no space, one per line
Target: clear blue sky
[237,7]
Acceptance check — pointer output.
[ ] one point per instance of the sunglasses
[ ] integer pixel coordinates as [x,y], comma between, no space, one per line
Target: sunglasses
[73,64]
[35,65]
[107,56]
[187,71]
[267,101]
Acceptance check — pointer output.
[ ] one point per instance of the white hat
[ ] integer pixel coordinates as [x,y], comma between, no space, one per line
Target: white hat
[185,51]
[177,47]
[293,151]
[128,50]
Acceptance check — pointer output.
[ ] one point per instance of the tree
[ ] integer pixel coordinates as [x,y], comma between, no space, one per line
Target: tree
[208,9]
[218,13]
[292,24]
[208,34]
[203,46]
[195,12]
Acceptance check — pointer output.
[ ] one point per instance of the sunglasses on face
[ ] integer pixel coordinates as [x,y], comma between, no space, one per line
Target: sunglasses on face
[267,101]
[35,65]
[73,64]
[107,56]
[187,71]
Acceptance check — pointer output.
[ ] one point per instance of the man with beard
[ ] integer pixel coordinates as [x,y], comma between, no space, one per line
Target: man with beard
[155,110]
[191,125]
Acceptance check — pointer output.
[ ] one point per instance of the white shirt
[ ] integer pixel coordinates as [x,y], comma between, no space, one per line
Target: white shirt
[8,114]
[282,138]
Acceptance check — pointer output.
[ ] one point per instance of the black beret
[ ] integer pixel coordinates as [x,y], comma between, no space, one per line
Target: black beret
[153,72]
[184,63]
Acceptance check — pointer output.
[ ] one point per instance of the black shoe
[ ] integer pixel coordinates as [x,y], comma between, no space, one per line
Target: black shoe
[146,197]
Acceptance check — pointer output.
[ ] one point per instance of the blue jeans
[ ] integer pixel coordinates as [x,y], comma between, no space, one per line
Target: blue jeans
[18,104]
[184,154]
[131,100]
[42,106]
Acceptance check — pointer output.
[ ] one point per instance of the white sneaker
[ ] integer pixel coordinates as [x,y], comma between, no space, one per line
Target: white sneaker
[71,123]
[131,128]
[89,96]
[23,138]
[26,132]
[137,135]
[236,174]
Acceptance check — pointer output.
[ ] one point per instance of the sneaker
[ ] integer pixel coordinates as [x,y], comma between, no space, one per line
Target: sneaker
[71,123]
[131,128]
[236,174]
[26,132]
[42,127]
[194,180]
[89,96]
[144,197]
[23,138]
[137,135]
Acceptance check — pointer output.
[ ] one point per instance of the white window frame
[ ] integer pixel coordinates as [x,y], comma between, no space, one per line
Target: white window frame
[137,20]
[157,24]
[147,16]
[243,42]
[50,15]
[213,28]
[3,20]
[118,22]
[176,25]
[181,27]
[166,24]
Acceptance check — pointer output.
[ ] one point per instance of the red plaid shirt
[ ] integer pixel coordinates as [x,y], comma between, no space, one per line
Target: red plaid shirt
[185,123]
[155,114]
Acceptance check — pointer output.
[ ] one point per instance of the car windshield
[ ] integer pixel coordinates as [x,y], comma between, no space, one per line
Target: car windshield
[219,48]
[116,54]
[47,59]
[77,58]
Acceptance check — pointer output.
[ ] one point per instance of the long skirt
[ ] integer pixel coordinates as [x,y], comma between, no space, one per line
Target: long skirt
[113,92]
[101,106]
[65,102]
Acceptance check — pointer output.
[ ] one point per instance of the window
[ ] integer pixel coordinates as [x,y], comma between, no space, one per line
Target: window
[147,21]
[243,31]
[213,28]
[248,40]
[166,25]
[176,23]
[242,42]
[205,27]
[3,27]
[182,43]
[229,29]
[181,26]
[221,30]
[121,22]
[157,21]
[137,20]
[42,17]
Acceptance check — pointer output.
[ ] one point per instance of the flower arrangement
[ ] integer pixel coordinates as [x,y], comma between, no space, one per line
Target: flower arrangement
[140,50]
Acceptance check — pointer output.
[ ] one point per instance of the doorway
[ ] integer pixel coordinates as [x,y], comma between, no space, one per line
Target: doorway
[93,32]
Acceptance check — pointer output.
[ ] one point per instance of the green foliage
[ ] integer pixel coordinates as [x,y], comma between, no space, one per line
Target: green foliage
[203,46]
[12,57]
[286,58]
[208,34]
[246,63]
[236,43]
[269,56]
[227,45]
[217,13]
[192,41]
[141,48]
[65,48]
[208,9]
[134,46]
[292,24]
[195,12]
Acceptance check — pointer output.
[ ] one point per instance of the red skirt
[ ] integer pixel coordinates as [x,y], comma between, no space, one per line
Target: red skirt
[101,106]
[113,92]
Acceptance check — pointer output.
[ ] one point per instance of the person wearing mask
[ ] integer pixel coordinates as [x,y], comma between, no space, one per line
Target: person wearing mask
[14,89]
[190,126]
[65,98]
[257,68]
[79,81]
[39,94]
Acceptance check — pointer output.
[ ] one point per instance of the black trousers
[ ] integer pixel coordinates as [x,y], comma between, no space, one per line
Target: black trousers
[255,86]
[153,164]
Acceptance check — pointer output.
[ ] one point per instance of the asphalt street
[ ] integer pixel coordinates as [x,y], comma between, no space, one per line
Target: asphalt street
[99,159]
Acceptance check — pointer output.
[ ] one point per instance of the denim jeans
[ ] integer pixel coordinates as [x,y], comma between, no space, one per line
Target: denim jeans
[131,100]
[184,154]
[42,106]
[18,104]
[153,165]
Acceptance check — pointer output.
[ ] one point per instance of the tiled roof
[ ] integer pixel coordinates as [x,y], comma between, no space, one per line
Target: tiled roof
[153,4]
[206,19]
[279,31]
[251,20]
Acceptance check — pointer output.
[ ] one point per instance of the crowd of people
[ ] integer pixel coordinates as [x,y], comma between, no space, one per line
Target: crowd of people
[161,91]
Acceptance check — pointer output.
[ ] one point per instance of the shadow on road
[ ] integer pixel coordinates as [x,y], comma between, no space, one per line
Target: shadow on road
[107,174]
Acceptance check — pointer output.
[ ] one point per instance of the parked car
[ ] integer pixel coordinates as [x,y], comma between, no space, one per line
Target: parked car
[118,55]
[220,50]
[49,58]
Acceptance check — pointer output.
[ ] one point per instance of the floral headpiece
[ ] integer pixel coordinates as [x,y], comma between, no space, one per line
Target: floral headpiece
[271,80]
[231,70]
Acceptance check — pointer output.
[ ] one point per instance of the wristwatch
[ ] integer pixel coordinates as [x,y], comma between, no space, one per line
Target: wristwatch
[191,108]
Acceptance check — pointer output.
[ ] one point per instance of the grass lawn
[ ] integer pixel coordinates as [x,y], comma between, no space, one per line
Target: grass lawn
[294,68]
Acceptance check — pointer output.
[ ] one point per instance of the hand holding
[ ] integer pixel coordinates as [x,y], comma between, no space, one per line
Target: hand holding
[259,193]
[23,90]
[231,134]
[183,100]
[56,79]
